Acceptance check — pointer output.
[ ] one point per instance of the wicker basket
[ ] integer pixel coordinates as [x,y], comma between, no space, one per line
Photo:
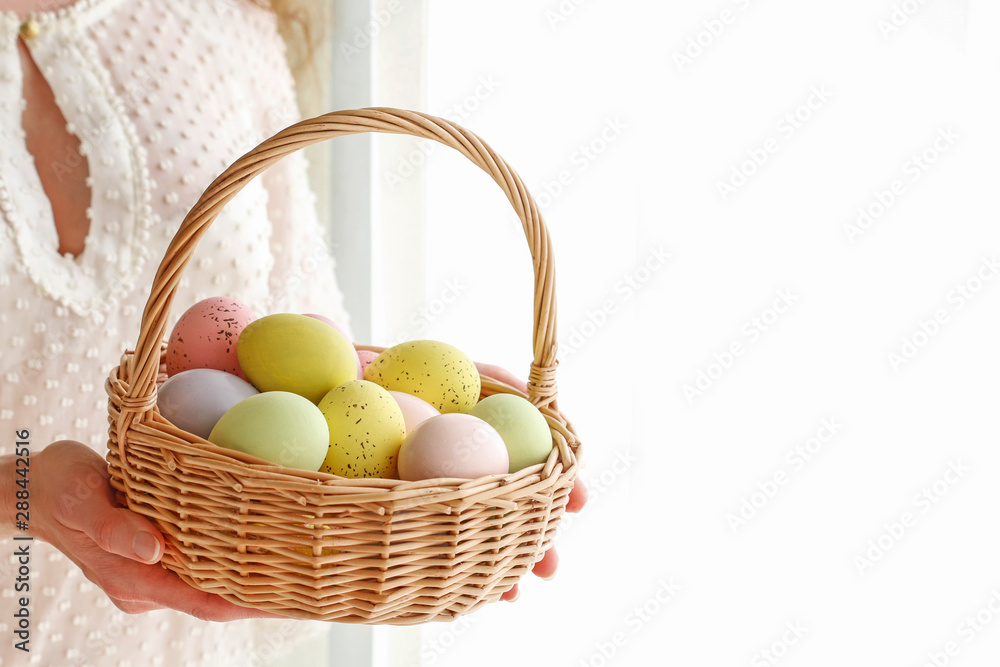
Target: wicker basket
[317,546]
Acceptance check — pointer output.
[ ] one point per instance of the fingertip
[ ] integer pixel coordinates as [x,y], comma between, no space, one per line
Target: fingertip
[577,496]
[124,533]
[147,547]
[546,567]
[512,594]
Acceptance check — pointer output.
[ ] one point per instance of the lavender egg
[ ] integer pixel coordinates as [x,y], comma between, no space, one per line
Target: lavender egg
[196,399]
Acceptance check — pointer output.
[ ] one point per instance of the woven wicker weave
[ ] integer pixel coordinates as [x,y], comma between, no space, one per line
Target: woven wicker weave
[317,546]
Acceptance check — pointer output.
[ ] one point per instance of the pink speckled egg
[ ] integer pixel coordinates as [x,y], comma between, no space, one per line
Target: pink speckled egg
[327,320]
[205,336]
[453,445]
[366,357]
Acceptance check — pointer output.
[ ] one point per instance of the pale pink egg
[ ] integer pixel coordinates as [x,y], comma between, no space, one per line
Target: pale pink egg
[453,445]
[327,320]
[415,410]
[205,336]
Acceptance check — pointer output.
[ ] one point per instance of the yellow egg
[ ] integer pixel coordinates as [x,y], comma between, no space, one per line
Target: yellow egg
[296,353]
[439,373]
[366,430]
[325,551]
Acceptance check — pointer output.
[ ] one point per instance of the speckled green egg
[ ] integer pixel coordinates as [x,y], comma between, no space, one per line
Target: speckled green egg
[296,353]
[366,430]
[439,373]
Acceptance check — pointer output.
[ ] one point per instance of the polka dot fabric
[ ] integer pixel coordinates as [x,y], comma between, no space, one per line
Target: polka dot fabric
[163,96]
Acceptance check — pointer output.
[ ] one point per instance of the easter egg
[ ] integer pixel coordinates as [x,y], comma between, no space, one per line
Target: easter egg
[452,445]
[196,399]
[278,426]
[206,336]
[296,353]
[437,372]
[366,357]
[415,410]
[522,427]
[317,549]
[343,333]
[327,320]
[366,429]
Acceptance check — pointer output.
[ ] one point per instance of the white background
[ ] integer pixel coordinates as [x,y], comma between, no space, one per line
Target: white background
[663,514]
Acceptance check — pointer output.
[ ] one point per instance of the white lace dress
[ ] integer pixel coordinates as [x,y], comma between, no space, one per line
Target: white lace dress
[163,96]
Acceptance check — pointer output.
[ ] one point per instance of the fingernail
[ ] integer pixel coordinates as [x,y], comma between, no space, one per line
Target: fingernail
[145,546]
[550,577]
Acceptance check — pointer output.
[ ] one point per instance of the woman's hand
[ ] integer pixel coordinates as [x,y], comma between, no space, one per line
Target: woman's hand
[73,509]
[546,567]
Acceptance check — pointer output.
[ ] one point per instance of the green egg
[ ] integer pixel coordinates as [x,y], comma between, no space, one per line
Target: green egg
[277,426]
[295,353]
[439,373]
[520,424]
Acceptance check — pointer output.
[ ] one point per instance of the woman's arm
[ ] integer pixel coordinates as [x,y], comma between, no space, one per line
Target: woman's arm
[7,473]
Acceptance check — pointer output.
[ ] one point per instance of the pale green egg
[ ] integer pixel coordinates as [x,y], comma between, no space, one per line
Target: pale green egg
[366,429]
[520,424]
[277,426]
[439,373]
[296,353]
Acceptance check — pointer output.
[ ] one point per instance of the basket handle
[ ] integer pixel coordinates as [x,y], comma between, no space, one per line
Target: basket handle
[145,363]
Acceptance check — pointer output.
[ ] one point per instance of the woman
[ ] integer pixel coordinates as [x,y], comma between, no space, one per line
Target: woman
[114,116]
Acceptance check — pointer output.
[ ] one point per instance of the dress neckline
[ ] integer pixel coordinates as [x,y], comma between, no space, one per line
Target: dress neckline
[65,51]
[80,11]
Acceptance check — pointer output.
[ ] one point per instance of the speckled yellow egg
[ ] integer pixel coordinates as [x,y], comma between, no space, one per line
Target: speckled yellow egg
[366,429]
[296,353]
[439,373]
